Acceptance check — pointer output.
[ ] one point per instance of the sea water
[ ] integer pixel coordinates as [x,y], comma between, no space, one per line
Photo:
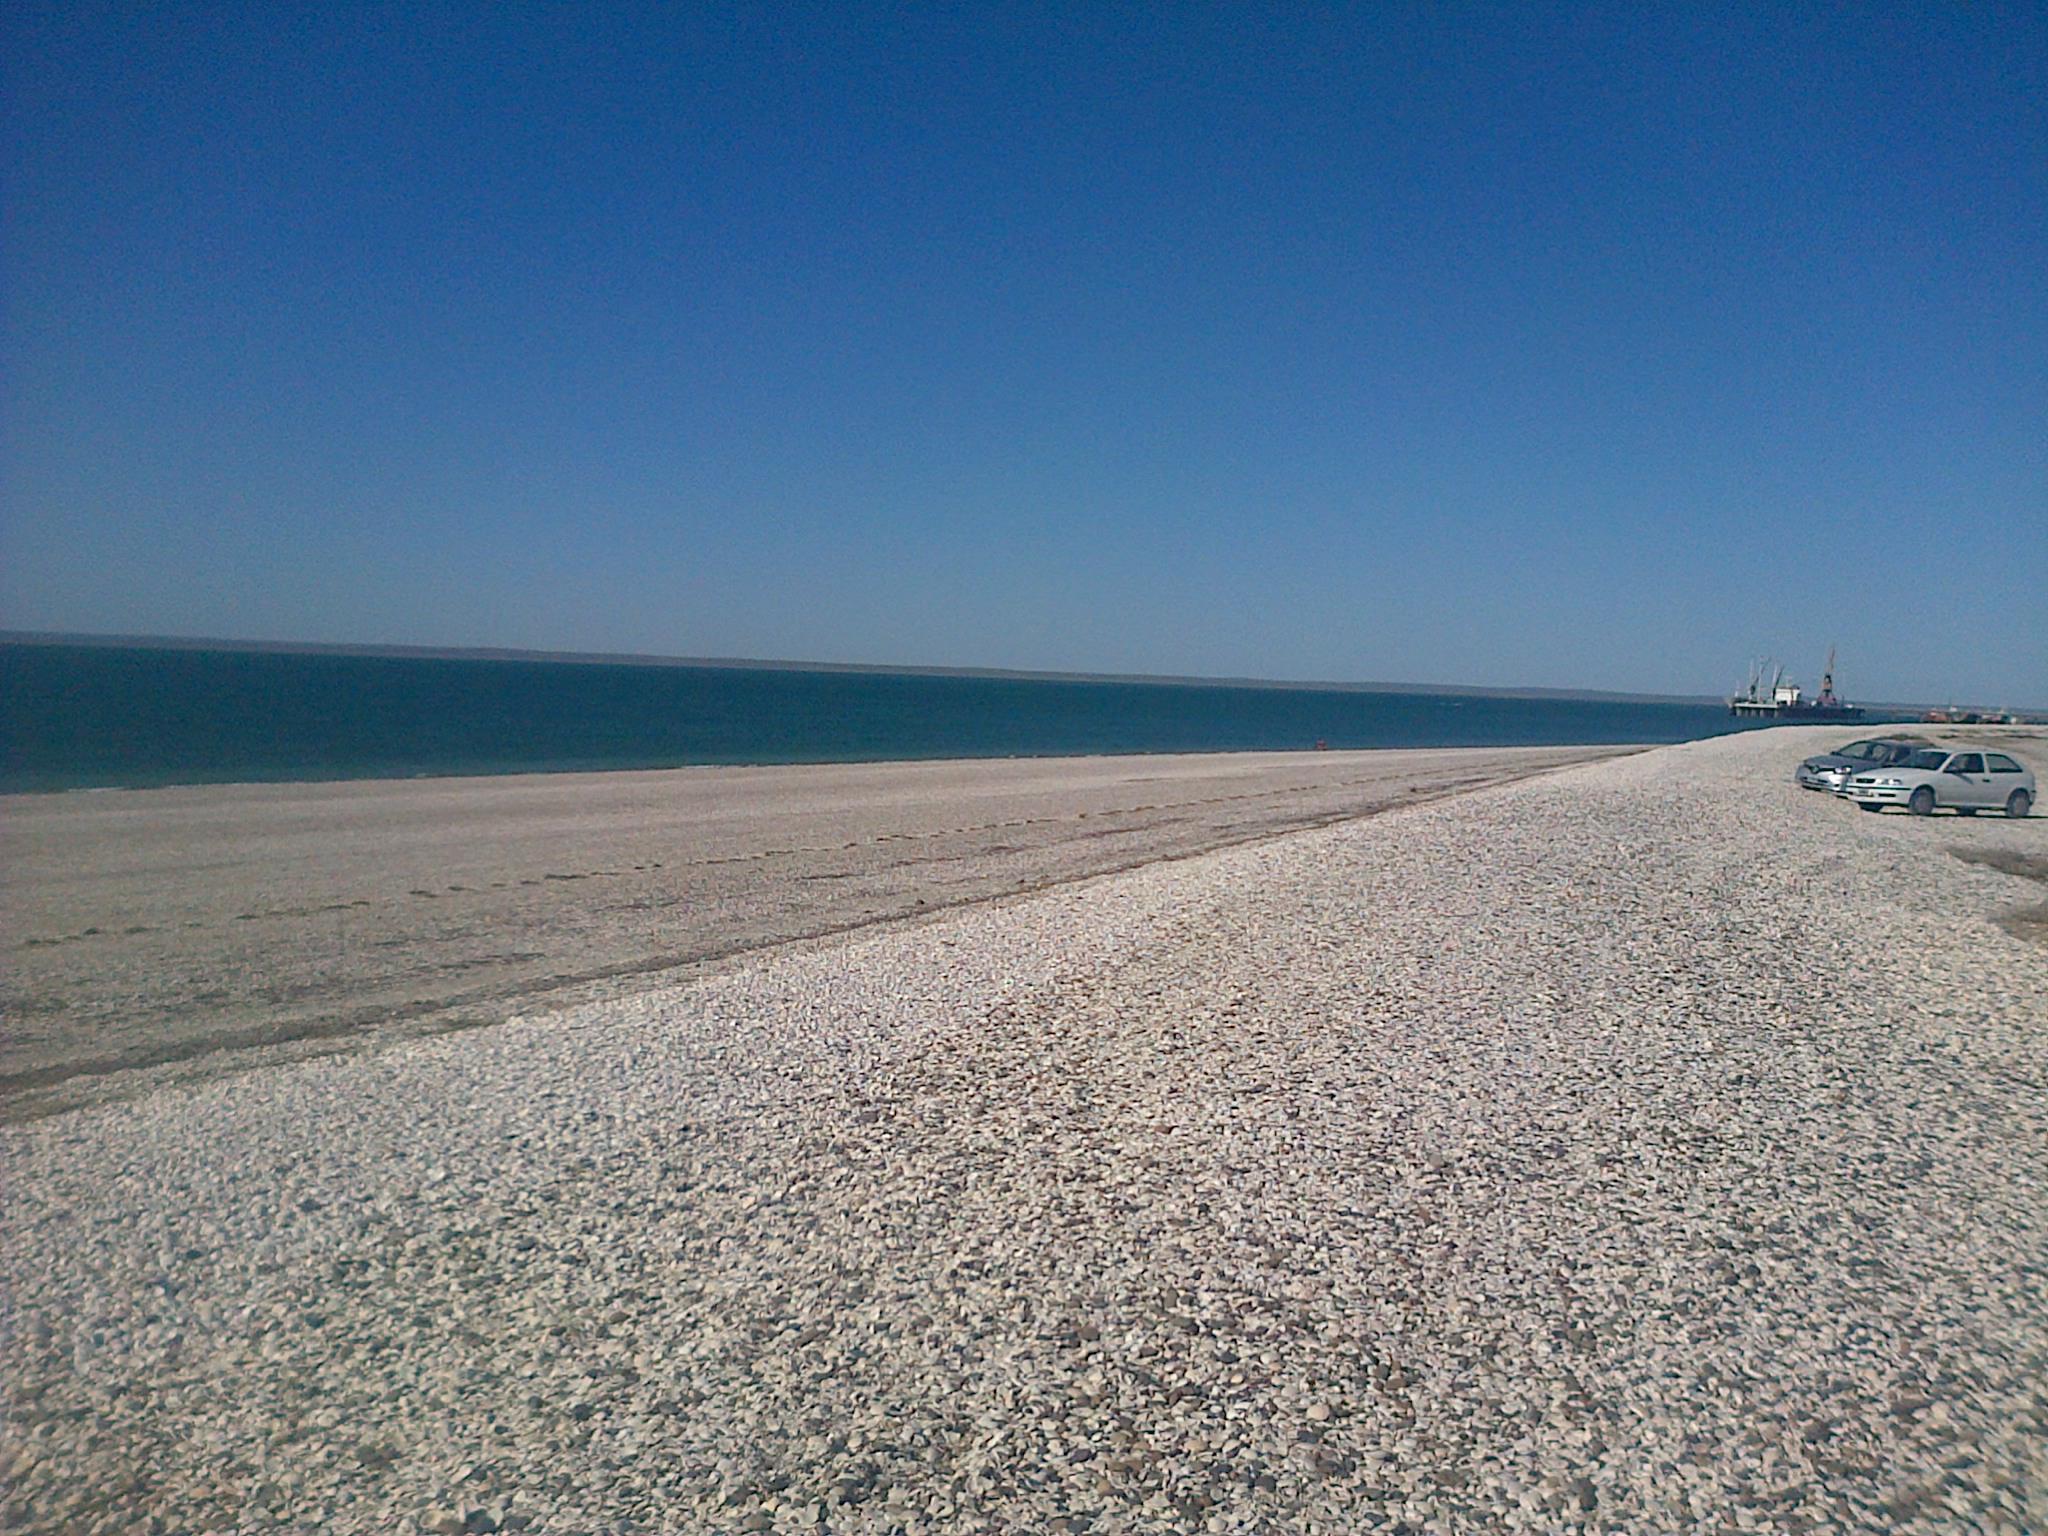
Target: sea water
[77,717]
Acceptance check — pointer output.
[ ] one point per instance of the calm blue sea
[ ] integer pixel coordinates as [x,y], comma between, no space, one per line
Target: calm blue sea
[74,717]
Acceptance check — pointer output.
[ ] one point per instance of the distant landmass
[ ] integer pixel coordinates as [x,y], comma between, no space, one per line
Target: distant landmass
[644,659]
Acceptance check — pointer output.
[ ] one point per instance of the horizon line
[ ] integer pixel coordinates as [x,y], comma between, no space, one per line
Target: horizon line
[397,651]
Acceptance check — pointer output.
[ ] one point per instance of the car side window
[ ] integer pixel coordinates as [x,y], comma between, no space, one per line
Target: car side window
[2000,763]
[1968,762]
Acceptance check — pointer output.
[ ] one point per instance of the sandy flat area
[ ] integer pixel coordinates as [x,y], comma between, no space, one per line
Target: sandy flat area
[1646,1147]
[176,931]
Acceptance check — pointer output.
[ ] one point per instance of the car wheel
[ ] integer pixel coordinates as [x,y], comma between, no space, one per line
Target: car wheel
[2018,804]
[1922,803]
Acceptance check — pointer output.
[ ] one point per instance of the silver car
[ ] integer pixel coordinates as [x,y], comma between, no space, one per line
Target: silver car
[1832,771]
[1966,782]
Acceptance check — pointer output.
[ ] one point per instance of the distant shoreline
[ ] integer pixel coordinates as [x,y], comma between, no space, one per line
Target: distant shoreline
[739,663]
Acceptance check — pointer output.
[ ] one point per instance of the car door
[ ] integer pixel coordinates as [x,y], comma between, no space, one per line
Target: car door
[1971,784]
[2006,776]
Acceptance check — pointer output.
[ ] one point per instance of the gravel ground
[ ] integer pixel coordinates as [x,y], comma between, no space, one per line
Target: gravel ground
[1647,1147]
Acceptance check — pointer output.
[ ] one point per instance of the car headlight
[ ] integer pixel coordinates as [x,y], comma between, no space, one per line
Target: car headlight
[1893,783]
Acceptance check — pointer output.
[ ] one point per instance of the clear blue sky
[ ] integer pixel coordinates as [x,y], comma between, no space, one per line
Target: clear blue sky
[1598,346]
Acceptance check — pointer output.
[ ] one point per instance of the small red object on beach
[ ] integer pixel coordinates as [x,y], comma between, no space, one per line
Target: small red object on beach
[1322,745]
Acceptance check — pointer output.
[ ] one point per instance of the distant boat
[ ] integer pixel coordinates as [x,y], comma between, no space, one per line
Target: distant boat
[1954,716]
[1783,701]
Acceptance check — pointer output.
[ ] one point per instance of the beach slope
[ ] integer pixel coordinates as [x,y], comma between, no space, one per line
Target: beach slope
[1646,1147]
[186,932]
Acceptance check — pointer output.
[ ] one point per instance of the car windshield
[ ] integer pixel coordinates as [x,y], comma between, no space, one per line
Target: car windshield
[1926,758]
[1856,749]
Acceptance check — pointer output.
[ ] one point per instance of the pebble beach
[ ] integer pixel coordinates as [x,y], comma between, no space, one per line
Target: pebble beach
[1645,1146]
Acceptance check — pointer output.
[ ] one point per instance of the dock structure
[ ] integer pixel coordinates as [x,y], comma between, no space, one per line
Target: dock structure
[1783,700]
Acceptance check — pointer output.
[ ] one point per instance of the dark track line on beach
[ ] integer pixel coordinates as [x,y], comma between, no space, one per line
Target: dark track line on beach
[2029,923]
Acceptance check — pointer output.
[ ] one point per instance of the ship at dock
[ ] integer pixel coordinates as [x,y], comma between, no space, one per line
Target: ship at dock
[1781,700]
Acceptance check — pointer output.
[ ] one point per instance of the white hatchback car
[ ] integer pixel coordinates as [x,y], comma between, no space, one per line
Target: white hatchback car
[1966,782]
